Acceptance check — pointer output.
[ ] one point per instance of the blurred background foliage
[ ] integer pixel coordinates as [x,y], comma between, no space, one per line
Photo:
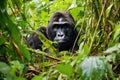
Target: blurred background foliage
[98,57]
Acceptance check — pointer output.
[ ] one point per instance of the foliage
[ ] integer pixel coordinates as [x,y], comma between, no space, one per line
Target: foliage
[91,67]
[98,57]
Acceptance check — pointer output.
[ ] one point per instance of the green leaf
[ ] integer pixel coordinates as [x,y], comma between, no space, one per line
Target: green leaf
[86,49]
[108,10]
[47,43]
[2,40]
[3,4]
[19,78]
[77,12]
[83,51]
[16,66]
[4,68]
[40,77]
[117,31]
[94,68]
[65,69]
[11,27]
[112,49]
[25,52]
[73,5]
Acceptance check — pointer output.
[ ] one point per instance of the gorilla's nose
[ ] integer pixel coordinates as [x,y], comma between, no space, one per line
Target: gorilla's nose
[60,35]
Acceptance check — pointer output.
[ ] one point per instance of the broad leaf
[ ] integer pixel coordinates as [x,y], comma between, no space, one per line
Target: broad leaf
[65,69]
[4,68]
[94,68]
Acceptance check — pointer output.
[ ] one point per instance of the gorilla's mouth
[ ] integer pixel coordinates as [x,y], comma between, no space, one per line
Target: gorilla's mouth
[61,40]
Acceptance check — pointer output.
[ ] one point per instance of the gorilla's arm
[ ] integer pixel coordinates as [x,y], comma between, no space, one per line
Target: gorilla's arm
[33,40]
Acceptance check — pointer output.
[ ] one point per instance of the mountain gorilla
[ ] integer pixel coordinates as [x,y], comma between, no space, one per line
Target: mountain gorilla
[60,28]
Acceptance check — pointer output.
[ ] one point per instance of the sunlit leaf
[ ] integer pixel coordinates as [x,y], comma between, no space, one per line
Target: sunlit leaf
[73,5]
[112,49]
[83,50]
[65,69]
[108,10]
[117,32]
[77,12]
[38,77]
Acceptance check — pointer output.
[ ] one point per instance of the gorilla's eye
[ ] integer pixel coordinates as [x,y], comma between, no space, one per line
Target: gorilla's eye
[67,28]
[54,29]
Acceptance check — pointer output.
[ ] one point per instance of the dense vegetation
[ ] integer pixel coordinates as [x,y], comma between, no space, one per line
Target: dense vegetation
[98,57]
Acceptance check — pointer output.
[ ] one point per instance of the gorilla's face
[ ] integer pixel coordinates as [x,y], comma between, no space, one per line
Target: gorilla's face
[61,29]
[62,32]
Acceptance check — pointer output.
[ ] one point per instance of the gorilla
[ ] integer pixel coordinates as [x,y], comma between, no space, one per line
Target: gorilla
[60,28]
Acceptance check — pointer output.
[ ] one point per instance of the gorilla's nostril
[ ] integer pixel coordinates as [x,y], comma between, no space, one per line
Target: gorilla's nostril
[60,35]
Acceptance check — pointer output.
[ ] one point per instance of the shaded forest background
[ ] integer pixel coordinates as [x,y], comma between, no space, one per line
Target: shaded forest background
[98,57]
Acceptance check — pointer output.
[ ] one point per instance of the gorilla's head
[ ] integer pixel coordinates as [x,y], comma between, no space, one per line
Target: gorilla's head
[61,29]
